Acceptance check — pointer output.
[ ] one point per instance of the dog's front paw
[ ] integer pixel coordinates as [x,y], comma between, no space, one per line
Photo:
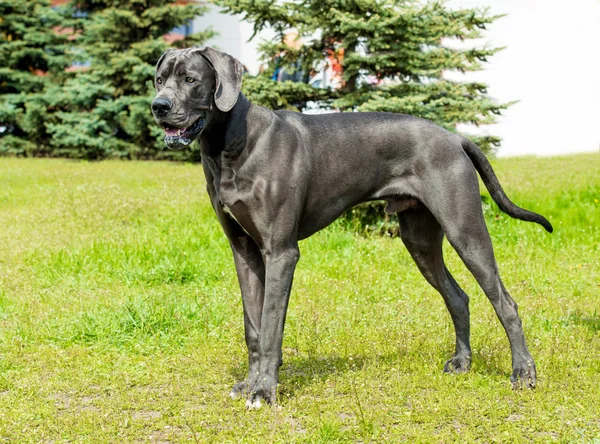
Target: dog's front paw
[263,391]
[242,389]
[458,364]
[524,376]
[239,390]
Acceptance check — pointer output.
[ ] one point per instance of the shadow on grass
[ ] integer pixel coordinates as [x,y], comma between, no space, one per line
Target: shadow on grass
[486,364]
[299,372]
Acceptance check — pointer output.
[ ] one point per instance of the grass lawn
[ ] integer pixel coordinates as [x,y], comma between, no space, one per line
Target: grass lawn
[121,320]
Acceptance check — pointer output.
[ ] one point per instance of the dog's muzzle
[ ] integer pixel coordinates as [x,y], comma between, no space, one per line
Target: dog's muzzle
[179,138]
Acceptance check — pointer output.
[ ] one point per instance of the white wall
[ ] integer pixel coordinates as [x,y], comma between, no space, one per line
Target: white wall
[551,65]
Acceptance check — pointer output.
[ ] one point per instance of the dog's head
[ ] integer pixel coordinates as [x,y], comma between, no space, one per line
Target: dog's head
[193,85]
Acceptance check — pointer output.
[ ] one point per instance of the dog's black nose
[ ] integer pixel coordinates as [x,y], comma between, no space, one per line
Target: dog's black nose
[161,106]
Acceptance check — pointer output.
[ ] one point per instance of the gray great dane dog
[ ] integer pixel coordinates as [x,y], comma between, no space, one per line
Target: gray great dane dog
[275,178]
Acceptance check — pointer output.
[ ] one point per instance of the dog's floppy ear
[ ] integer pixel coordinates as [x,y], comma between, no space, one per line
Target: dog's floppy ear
[228,77]
[163,57]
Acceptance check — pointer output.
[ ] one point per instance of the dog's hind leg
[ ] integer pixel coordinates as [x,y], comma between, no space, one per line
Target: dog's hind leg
[457,207]
[423,237]
[475,249]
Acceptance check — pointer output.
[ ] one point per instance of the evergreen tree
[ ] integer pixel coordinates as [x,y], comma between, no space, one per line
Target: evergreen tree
[105,110]
[393,55]
[33,54]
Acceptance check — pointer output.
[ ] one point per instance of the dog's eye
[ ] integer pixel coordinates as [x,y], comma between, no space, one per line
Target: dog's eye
[159,81]
[189,80]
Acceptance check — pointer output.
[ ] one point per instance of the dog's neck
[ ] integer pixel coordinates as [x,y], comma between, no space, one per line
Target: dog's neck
[226,135]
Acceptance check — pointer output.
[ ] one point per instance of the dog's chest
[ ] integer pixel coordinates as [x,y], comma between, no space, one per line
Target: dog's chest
[232,199]
[228,212]
[240,194]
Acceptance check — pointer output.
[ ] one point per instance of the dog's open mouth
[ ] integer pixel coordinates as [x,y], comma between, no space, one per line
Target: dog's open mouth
[178,138]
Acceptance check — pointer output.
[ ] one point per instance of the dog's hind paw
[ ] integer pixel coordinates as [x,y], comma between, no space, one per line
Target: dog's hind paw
[524,377]
[458,364]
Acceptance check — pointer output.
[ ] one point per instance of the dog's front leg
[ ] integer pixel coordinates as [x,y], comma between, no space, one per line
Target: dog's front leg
[250,270]
[280,268]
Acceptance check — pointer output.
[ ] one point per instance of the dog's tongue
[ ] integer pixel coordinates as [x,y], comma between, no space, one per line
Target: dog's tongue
[174,131]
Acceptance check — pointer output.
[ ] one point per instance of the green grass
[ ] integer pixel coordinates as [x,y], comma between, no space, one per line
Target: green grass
[121,321]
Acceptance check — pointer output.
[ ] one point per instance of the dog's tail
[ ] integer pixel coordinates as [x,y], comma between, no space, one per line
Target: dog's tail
[483,167]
